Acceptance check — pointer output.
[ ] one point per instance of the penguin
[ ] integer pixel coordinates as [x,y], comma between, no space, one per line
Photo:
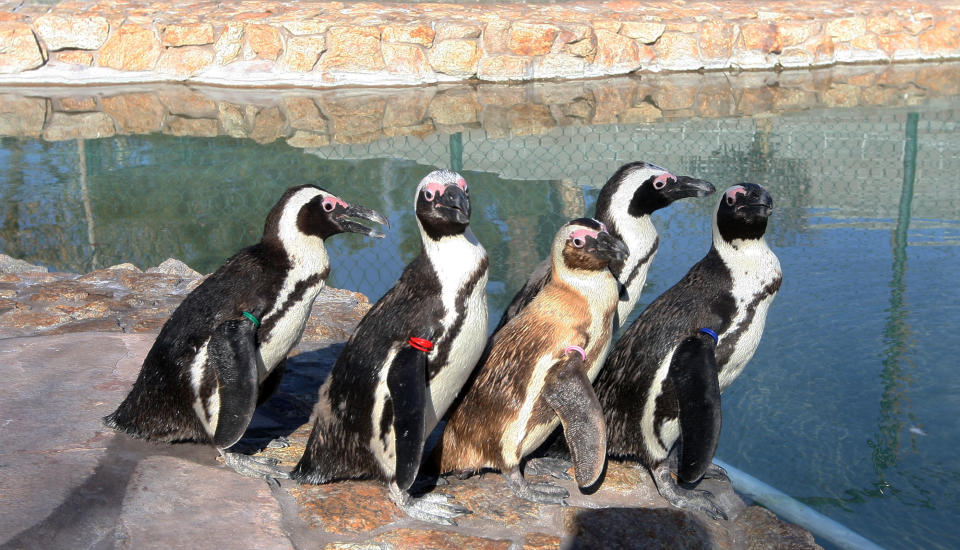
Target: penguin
[223,350]
[407,360]
[661,384]
[625,204]
[538,371]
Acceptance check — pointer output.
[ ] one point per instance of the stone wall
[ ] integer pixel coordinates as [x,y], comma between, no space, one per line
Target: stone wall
[257,43]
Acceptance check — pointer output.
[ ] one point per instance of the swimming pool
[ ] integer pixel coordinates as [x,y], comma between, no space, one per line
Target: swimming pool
[849,404]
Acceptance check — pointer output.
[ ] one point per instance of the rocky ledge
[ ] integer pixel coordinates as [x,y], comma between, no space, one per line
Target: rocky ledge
[72,346]
[310,43]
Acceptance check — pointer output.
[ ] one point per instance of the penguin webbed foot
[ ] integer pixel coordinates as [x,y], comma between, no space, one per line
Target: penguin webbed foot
[541,493]
[684,498]
[431,507]
[716,472]
[254,466]
[281,442]
[549,466]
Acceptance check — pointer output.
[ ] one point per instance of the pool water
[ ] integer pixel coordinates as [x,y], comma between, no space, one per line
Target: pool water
[851,402]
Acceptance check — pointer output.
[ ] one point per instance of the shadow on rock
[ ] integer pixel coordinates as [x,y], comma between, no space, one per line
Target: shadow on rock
[87,517]
[291,406]
[634,528]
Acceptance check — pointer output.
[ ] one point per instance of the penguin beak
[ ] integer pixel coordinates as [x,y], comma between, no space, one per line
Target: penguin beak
[356,211]
[456,203]
[610,248]
[685,186]
[756,205]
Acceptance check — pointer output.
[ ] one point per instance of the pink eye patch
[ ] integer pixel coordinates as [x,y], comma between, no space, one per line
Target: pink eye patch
[330,202]
[734,191]
[663,178]
[462,183]
[435,188]
[582,233]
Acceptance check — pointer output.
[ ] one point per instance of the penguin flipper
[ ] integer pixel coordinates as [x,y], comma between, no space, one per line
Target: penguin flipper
[693,372]
[570,394]
[407,384]
[233,353]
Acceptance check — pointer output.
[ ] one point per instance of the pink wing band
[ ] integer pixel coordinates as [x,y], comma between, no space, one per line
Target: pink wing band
[577,349]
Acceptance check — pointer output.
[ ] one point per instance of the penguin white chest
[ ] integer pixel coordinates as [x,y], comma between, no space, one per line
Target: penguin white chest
[640,236]
[287,320]
[755,279]
[466,347]
[460,265]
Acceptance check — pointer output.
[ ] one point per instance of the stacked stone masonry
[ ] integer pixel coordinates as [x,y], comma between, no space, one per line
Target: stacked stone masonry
[256,43]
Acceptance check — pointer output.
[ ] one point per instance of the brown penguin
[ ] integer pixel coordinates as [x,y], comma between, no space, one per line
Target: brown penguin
[538,371]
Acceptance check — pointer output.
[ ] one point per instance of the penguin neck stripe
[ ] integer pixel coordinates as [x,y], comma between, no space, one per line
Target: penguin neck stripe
[578,349]
[711,333]
[254,320]
[421,344]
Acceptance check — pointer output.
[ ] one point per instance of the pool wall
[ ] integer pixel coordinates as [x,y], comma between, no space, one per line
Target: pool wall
[314,44]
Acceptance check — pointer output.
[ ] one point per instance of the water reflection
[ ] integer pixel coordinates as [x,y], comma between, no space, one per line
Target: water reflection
[894,411]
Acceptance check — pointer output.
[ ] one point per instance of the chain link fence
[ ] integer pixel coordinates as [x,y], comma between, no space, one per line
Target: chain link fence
[85,204]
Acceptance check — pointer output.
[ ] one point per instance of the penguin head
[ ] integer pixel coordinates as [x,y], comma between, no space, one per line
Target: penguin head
[307,212]
[640,188]
[743,212]
[585,244]
[442,204]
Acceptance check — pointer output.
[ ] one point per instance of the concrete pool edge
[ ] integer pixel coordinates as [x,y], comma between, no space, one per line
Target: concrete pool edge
[322,44]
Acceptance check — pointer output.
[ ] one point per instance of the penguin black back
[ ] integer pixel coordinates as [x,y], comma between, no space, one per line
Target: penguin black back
[660,387]
[251,311]
[408,358]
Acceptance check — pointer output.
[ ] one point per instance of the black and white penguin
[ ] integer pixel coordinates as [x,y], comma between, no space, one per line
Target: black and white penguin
[539,369]
[625,204]
[222,352]
[660,387]
[407,360]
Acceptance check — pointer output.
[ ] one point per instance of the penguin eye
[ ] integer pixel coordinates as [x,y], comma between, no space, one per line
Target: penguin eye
[329,206]
[659,184]
[578,242]
[730,200]
[428,194]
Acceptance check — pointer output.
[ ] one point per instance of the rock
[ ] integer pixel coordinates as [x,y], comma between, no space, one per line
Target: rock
[616,53]
[302,53]
[352,49]
[79,32]
[12,265]
[185,61]
[193,34]
[455,57]
[130,48]
[406,59]
[530,39]
[764,530]
[172,266]
[19,50]
[171,502]
[647,31]
[228,45]
[410,33]
[263,41]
